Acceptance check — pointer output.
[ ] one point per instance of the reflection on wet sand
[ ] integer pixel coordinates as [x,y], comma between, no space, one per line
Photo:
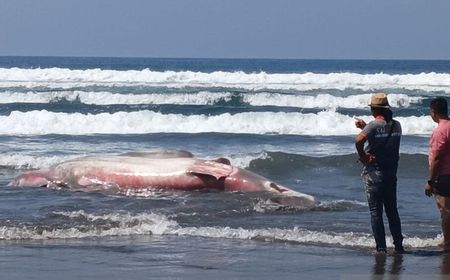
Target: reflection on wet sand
[445,265]
[379,267]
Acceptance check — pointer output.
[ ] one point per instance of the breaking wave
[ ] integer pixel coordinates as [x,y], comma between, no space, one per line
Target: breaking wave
[19,161]
[66,78]
[326,123]
[205,98]
[325,100]
[22,161]
[108,98]
[126,224]
[277,162]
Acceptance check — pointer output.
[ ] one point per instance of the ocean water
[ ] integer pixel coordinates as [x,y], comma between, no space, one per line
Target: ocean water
[289,120]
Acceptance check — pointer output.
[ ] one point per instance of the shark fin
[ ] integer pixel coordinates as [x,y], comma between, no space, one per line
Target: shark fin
[210,168]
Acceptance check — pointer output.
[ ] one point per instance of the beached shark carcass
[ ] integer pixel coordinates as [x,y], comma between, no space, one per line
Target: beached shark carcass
[177,170]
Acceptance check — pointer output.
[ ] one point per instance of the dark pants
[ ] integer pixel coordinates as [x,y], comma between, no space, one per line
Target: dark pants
[381,190]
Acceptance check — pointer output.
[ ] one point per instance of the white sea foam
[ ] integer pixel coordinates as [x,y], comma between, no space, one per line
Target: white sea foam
[66,78]
[322,123]
[19,161]
[108,98]
[243,160]
[205,98]
[325,100]
[125,224]
[341,203]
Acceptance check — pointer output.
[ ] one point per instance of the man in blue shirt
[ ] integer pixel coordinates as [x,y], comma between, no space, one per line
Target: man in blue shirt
[380,159]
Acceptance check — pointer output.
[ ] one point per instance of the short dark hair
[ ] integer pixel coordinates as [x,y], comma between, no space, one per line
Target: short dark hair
[439,106]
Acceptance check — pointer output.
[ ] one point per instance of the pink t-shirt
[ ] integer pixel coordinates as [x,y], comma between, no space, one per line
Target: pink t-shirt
[440,141]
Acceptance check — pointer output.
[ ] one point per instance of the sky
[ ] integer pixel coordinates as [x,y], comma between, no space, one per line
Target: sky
[304,29]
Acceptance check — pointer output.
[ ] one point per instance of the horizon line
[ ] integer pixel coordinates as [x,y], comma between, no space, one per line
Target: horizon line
[226,58]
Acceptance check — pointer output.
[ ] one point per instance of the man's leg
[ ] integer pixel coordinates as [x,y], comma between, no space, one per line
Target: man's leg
[375,201]
[443,204]
[390,205]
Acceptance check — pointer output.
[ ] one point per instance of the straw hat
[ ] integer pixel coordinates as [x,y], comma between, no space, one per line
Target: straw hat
[379,100]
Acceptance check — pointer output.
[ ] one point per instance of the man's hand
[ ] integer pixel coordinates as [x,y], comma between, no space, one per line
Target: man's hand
[359,123]
[367,159]
[428,190]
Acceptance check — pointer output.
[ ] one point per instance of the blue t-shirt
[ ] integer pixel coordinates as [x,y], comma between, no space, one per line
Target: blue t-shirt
[386,151]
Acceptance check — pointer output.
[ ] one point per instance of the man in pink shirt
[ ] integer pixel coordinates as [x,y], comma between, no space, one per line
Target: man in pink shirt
[439,160]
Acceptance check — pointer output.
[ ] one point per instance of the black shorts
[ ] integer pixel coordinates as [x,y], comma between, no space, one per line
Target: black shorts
[442,187]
